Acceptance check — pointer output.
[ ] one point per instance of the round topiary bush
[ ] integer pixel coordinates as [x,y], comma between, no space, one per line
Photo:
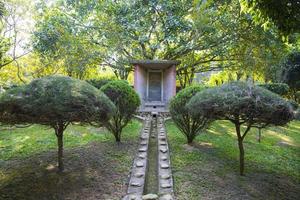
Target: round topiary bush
[55,101]
[126,101]
[278,88]
[244,105]
[189,125]
[98,83]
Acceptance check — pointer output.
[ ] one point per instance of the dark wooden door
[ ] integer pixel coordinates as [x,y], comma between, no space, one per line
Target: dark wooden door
[154,86]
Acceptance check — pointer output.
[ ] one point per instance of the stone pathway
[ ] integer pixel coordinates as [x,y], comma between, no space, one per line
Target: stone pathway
[144,178]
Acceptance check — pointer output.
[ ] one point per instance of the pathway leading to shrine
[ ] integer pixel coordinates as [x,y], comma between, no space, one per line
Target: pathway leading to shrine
[151,175]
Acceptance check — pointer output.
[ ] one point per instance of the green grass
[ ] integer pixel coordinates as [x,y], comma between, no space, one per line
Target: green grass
[96,167]
[24,142]
[208,170]
[215,157]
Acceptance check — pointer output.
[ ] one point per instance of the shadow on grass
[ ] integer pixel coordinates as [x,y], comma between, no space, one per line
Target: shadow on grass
[96,171]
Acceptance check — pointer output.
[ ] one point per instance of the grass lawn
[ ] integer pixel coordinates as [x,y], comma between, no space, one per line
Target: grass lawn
[95,166]
[209,169]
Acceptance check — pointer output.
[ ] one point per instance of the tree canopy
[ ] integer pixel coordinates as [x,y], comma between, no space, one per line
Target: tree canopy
[55,99]
[284,13]
[242,102]
[203,35]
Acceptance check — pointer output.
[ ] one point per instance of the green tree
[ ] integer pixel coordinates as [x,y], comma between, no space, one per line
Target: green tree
[55,101]
[58,40]
[290,73]
[284,13]
[126,101]
[189,125]
[243,105]
[203,35]
[124,30]
[2,10]
[14,16]
[4,44]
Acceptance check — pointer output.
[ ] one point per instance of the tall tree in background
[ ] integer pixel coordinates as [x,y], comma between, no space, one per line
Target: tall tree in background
[4,45]
[285,14]
[58,40]
[290,74]
[123,31]
[14,17]
[2,10]
[203,35]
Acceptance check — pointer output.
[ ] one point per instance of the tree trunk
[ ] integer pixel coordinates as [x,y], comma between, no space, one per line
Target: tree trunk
[191,77]
[117,135]
[241,148]
[190,139]
[118,138]
[242,153]
[259,135]
[60,145]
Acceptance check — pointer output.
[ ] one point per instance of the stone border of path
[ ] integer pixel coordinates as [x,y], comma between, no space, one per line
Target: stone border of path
[138,172]
[165,178]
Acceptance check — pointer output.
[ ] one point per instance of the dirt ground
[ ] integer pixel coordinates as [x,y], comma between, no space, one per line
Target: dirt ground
[96,171]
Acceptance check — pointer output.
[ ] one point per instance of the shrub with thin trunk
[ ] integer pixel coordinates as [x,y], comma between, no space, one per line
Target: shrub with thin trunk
[189,125]
[55,101]
[126,101]
[244,105]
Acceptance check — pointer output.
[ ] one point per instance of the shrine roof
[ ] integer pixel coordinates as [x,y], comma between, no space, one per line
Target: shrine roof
[155,64]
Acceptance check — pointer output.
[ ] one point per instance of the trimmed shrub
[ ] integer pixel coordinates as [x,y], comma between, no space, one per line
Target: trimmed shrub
[243,105]
[98,83]
[188,124]
[126,101]
[55,101]
[278,88]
